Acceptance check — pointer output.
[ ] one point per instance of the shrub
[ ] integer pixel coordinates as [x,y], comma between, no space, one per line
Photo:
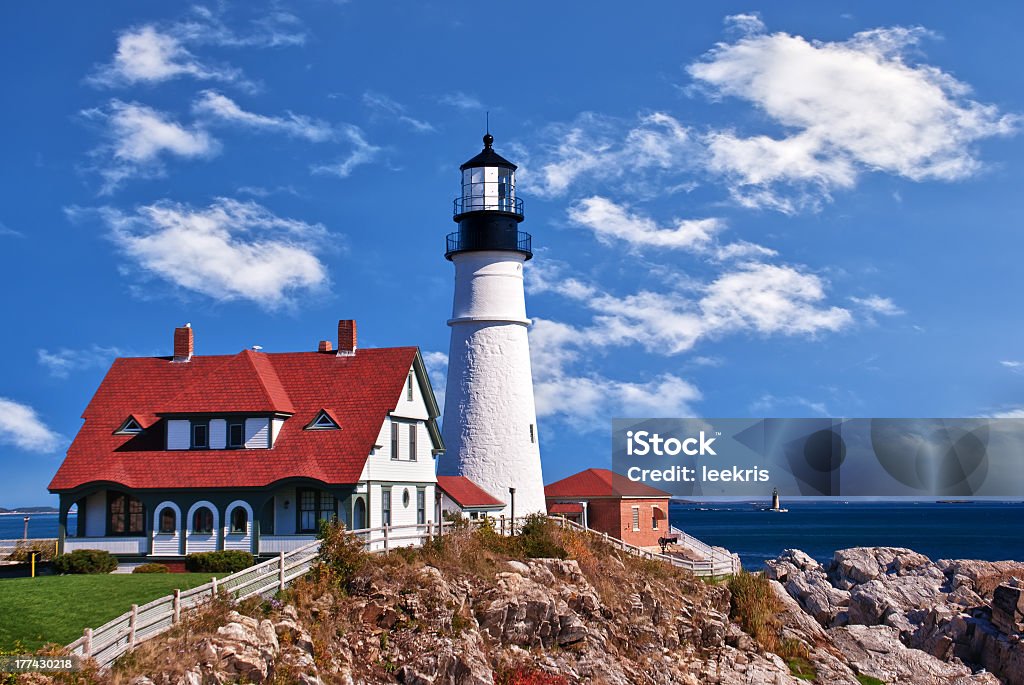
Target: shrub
[225,561]
[341,552]
[756,607]
[524,675]
[24,547]
[151,568]
[537,538]
[85,561]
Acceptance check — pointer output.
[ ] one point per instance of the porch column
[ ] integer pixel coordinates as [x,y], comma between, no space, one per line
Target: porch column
[62,521]
[255,533]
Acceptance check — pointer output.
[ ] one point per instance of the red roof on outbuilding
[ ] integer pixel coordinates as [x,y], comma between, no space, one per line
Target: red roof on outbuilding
[359,391]
[600,483]
[565,508]
[466,493]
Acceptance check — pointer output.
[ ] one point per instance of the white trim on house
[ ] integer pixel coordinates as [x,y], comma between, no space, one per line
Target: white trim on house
[241,541]
[201,542]
[167,544]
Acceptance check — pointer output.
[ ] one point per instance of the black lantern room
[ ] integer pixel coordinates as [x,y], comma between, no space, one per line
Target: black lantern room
[488,211]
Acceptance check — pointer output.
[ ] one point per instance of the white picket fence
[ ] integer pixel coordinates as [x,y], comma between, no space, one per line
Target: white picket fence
[717,561]
[122,634]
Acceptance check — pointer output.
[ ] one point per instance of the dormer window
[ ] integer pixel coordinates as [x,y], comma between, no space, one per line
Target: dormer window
[129,427]
[200,436]
[236,435]
[322,422]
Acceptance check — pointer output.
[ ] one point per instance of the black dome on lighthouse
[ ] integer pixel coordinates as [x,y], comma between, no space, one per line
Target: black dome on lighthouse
[488,157]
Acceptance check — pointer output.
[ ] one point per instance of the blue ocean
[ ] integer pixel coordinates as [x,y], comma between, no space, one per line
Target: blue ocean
[12,526]
[974,530]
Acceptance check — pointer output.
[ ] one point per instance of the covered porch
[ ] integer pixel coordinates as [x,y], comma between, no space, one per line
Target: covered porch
[166,524]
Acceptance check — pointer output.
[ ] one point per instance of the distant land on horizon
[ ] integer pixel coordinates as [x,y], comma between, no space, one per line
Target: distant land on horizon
[29,510]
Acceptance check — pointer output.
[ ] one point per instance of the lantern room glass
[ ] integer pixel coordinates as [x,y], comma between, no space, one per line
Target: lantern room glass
[491,188]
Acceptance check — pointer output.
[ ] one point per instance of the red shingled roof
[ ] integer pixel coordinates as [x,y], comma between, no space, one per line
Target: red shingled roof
[599,483]
[360,390]
[466,493]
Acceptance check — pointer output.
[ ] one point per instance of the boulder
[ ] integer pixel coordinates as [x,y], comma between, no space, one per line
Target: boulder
[876,651]
[1008,608]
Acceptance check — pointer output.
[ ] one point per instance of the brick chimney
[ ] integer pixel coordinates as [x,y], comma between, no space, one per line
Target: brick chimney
[325,346]
[184,343]
[346,337]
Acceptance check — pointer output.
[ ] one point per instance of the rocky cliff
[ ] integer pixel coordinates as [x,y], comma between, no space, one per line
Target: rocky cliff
[468,613]
[897,616]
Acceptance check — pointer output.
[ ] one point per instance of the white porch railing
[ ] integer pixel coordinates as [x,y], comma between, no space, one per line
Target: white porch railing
[272,544]
[106,643]
[114,545]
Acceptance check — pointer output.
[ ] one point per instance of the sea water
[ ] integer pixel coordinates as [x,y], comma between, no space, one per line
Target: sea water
[972,530]
[12,526]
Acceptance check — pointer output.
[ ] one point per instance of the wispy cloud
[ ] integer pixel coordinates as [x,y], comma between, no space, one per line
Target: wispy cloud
[848,107]
[154,53]
[1013,365]
[437,369]
[382,104]
[610,222]
[22,427]
[147,55]
[5,230]
[139,137]
[229,250]
[214,106]
[769,403]
[62,362]
[876,304]
[461,100]
[362,152]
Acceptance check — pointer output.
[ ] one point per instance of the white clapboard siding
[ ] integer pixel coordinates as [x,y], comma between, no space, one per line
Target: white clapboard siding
[218,434]
[114,545]
[96,514]
[243,540]
[166,544]
[275,430]
[178,437]
[257,433]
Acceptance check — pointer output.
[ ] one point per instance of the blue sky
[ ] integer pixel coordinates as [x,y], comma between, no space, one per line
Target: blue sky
[737,211]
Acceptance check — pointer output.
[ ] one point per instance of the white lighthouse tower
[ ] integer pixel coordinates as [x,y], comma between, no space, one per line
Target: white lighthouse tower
[490,420]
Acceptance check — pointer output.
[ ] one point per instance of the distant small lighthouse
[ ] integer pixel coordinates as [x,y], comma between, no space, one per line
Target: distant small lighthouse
[490,419]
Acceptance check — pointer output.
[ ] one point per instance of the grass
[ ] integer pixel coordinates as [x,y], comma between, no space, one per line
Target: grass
[58,608]
[868,680]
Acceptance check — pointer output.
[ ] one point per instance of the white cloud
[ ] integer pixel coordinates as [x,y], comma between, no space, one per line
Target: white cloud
[212,104]
[878,305]
[147,55]
[138,137]
[437,369]
[383,104]
[588,400]
[153,54]
[229,250]
[6,230]
[362,153]
[745,23]
[461,100]
[1010,413]
[1013,365]
[62,362]
[21,426]
[848,107]
[593,149]
[768,403]
[610,221]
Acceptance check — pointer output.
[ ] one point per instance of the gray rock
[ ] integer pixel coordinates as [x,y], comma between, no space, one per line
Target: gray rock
[876,651]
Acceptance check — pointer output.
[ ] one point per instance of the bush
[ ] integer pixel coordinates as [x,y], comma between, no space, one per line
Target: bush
[151,568]
[225,561]
[23,548]
[756,608]
[85,561]
[341,552]
[537,538]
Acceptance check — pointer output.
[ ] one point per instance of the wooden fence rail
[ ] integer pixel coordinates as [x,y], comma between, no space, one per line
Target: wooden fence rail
[122,634]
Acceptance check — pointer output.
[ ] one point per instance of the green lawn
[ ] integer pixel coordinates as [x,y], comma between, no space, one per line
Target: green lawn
[58,608]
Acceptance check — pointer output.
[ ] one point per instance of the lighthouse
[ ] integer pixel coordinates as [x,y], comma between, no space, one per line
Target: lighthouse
[490,419]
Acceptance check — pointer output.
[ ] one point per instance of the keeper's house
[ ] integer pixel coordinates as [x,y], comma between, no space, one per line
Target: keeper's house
[250,451]
[611,503]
